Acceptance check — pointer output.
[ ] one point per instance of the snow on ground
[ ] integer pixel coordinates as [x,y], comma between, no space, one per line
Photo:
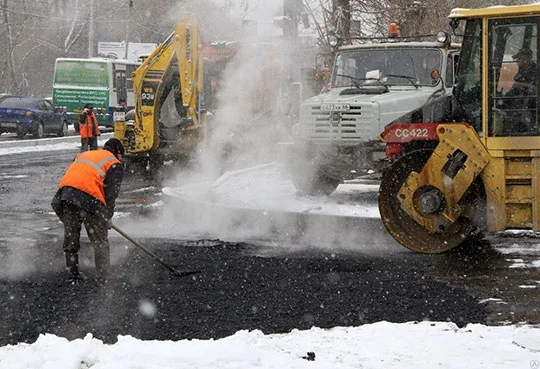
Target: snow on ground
[46,144]
[422,345]
[266,187]
[385,345]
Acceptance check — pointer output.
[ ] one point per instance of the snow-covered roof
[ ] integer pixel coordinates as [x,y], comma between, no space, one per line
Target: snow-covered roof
[495,11]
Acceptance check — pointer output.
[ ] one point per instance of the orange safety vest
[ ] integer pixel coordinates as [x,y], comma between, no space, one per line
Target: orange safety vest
[87,172]
[89,128]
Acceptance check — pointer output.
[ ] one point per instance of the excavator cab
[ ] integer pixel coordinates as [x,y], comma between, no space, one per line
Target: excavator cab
[470,162]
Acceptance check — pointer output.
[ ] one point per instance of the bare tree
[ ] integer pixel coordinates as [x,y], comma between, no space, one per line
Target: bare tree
[9,73]
[36,32]
[371,18]
[69,30]
[341,17]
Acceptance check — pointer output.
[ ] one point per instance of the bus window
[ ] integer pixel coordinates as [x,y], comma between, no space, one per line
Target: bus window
[129,80]
[120,84]
[81,73]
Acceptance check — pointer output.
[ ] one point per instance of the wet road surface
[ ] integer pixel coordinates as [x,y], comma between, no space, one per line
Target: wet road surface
[272,283]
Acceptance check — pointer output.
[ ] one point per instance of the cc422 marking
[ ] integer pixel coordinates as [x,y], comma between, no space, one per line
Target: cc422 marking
[411,132]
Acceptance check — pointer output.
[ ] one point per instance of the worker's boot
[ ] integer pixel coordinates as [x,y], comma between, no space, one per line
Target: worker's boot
[103,262]
[72,263]
[72,267]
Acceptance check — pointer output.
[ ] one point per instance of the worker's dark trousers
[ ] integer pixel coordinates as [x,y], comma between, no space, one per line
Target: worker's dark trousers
[96,228]
[89,143]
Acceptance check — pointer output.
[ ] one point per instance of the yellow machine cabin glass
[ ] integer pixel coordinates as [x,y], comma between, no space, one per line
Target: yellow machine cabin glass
[513,76]
[468,89]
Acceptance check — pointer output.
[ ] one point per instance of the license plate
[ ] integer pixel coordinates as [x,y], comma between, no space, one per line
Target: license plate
[8,124]
[335,107]
[119,116]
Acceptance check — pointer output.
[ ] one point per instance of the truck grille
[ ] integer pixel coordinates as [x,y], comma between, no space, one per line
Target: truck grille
[351,125]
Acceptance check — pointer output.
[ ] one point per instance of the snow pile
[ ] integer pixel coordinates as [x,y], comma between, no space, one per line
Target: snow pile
[268,188]
[380,345]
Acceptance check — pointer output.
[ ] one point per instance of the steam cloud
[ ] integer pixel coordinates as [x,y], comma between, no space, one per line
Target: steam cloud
[248,124]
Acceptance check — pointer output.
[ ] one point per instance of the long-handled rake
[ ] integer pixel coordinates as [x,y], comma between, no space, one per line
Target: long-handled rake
[148,252]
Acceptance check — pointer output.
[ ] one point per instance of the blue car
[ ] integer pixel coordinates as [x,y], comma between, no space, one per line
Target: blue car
[28,115]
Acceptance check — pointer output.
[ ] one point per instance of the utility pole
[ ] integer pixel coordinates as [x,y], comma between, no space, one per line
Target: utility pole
[291,80]
[126,38]
[290,25]
[91,32]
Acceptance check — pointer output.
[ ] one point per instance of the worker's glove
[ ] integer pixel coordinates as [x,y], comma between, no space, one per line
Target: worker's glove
[109,224]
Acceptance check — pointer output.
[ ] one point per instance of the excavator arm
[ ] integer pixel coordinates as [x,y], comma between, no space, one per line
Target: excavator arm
[173,72]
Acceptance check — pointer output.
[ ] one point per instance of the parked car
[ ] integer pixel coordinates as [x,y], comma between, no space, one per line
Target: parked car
[28,115]
[4,95]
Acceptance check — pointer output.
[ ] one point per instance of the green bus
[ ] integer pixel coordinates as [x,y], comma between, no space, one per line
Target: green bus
[99,81]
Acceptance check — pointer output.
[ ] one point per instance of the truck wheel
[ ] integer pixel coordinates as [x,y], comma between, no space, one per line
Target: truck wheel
[134,166]
[154,164]
[315,185]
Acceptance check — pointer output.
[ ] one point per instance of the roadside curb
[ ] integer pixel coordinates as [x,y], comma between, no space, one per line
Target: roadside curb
[46,141]
[308,228]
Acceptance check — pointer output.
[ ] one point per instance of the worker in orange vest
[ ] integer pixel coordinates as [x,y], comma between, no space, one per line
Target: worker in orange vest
[88,128]
[87,194]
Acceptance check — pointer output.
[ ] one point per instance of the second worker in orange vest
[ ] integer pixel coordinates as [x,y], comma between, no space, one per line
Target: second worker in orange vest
[87,194]
[88,128]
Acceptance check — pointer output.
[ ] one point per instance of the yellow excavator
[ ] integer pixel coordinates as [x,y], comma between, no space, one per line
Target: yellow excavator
[169,117]
[470,162]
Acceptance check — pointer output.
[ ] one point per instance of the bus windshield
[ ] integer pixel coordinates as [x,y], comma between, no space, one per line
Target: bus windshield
[81,73]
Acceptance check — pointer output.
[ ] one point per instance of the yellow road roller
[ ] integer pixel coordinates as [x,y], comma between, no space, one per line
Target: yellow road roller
[470,162]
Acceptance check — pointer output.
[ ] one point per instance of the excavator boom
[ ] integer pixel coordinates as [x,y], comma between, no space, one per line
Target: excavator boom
[168,89]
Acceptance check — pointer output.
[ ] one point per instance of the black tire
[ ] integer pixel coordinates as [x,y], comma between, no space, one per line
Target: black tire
[134,166]
[155,163]
[413,235]
[63,130]
[38,131]
[20,132]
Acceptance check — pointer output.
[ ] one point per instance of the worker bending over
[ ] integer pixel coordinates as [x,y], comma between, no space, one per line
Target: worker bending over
[87,194]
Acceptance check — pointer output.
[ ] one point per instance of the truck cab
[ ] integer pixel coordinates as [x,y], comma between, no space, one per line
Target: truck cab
[372,84]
